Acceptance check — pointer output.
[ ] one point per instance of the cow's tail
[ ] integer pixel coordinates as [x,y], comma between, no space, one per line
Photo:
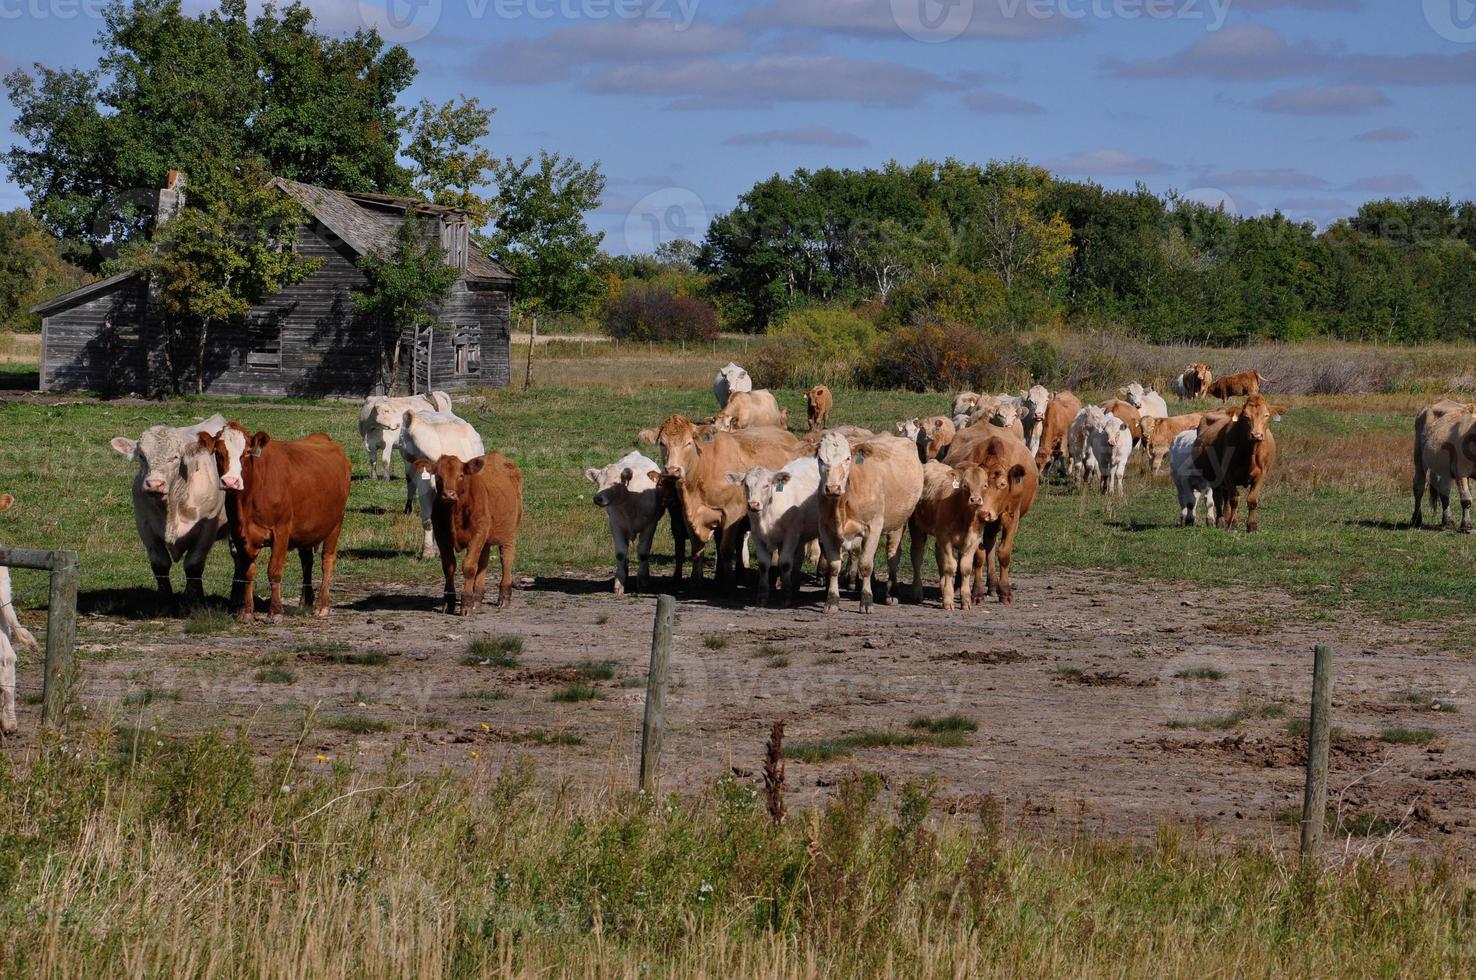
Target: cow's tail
[8,621]
[441,400]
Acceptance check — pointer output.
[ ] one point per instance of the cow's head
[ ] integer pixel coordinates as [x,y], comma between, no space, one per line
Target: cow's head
[1005,414]
[1256,415]
[971,482]
[1002,480]
[1035,402]
[938,433]
[737,378]
[386,416]
[448,474]
[760,484]
[834,457]
[1148,423]
[234,450]
[677,440]
[163,455]
[1133,393]
[909,429]
[614,481]
[816,395]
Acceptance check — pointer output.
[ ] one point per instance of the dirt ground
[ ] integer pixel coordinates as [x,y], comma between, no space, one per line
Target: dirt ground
[1083,720]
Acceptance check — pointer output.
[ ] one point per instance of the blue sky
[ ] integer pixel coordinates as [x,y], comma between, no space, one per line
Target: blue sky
[1309,106]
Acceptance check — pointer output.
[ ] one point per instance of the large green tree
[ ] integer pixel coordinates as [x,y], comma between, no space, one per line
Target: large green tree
[404,283]
[171,90]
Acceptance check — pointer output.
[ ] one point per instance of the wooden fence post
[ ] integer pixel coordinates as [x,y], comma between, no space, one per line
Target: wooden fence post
[653,728]
[61,635]
[528,373]
[1319,729]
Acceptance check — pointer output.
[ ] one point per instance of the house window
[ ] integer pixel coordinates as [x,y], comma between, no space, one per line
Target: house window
[468,354]
[266,346]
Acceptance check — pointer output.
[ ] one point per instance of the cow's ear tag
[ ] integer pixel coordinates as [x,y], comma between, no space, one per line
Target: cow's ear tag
[778,488]
[707,437]
[1276,419]
[256,453]
[860,458]
[956,484]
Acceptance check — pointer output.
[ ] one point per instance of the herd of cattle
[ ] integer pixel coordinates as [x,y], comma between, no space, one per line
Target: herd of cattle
[832,494]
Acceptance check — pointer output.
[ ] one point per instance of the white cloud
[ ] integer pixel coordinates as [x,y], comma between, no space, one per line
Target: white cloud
[1107,162]
[802,136]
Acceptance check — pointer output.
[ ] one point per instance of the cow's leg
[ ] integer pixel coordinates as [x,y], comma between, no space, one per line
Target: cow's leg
[484,561]
[1418,520]
[507,552]
[622,558]
[643,553]
[477,553]
[246,580]
[1232,505]
[8,725]
[448,571]
[412,480]
[1252,502]
[985,582]
[159,564]
[728,538]
[866,567]
[305,555]
[194,568]
[765,566]
[918,539]
[789,571]
[947,569]
[1002,556]
[830,552]
[427,494]
[330,563]
[275,568]
[894,563]
[1464,483]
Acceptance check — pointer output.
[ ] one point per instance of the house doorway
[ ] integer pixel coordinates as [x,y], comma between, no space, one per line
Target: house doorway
[421,379]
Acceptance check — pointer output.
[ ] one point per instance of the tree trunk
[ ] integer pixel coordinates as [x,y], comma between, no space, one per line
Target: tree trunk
[394,372]
[200,358]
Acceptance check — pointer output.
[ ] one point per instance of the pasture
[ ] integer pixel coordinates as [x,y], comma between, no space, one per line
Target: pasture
[1149,681]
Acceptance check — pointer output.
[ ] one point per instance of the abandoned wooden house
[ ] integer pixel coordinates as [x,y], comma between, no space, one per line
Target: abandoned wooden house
[304,341]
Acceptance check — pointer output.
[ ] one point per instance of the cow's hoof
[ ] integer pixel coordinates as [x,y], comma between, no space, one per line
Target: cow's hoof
[503,601]
[1006,598]
[323,611]
[274,619]
[619,589]
[1467,529]
[891,600]
[832,605]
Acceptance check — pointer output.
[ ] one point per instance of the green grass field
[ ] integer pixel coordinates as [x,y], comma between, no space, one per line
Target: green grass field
[1332,529]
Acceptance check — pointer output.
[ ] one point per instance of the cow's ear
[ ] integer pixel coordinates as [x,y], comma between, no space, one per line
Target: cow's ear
[626,474]
[259,440]
[124,446]
[1017,474]
[782,477]
[425,467]
[1278,411]
[937,424]
[733,476]
[474,466]
[592,473]
[654,475]
[647,436]
[205,441]
[5,501]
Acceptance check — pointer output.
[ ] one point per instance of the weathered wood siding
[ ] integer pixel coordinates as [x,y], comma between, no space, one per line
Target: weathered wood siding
[302,342]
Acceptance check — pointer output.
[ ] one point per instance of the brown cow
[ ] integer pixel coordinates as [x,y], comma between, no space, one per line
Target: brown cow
[1129,415]
[710,503]
[950,510]
[932,435]
[281,494]
[965,445]
[1195,379]
[866,491]
[1444,451]
[1159,434]
[1010,484]
[818,403]
[1236,449]
[1059,414]
[479,503]
[1242,385]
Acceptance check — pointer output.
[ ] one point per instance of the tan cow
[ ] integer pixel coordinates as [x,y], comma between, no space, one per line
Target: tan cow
[1010,484]
[963,445]
[818,403]
[1236,449]
[1159,435]
[1243,385]
[964,403]
[950,509]
[750,410]
[1193,382]
[1444,451]
[1130,416]
[1059,414]
[866,491]
[712,505]
[932,435]
[479,503]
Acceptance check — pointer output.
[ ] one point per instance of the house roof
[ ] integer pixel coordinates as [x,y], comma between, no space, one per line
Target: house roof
[81,293]
[343,215]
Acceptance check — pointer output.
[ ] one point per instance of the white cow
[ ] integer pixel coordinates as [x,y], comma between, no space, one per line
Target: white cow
[1110,444]
[1189,481]
[1146,401]
[178,501]
[730,379]
[11,634]
[783,519]
[379,424]
[964,403]
[1083,465]
[1032,415]
[630,493]
[431,435]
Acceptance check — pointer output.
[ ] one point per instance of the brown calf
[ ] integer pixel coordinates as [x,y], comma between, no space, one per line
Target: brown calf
[1011,480]
[281,494]
[1242,385]
[818,403]
[1059,414]
[479,503]
[1236,449]
[950,510]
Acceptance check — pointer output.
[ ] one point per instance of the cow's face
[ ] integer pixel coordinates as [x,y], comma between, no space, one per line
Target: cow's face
[614,481]
[759,485]
[163,458]
[449,474]
[909,429]
[1006,414]
[1134,394]
[938,435]
[1256,415]
[1036,400]
[231,448]
[972,482]
[387,418]
[677,440]
[834,457]
[1001,482]
[815,395]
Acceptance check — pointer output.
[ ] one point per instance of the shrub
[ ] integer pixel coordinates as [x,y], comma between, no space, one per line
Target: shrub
[814,345]
[940,355]
[646,311]
[951,293]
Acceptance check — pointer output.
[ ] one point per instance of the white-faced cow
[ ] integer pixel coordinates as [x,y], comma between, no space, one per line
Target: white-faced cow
[178,503]
[431,435]
[783,518]
[730,378]
[630,493]
[866,493]
[380,419]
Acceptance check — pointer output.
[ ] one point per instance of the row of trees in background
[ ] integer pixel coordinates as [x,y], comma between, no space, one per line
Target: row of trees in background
[1007,245]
